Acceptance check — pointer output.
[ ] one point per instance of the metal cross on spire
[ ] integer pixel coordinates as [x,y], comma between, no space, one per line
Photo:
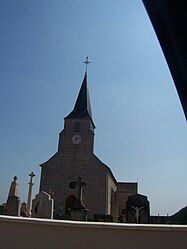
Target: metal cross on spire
[86,62]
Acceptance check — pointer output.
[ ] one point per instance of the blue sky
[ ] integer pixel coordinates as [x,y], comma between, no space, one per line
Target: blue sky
[141,129]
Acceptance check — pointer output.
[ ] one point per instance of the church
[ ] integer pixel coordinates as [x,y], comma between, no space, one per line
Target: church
[102,193]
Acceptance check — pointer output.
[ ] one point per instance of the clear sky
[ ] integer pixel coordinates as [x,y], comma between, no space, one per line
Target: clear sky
[141,129]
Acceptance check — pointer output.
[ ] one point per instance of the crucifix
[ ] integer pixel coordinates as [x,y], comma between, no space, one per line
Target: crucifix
[86,62]
[137,213]
[29,199]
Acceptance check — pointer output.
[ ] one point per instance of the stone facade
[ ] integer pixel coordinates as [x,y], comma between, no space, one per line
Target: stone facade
[72,161]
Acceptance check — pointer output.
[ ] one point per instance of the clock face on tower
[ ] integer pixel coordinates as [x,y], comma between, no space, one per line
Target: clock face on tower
[76,139]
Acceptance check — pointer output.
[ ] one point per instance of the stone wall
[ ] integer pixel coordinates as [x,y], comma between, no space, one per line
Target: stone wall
[40,233]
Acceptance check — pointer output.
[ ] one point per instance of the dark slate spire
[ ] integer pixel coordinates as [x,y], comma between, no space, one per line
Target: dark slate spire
[82,106]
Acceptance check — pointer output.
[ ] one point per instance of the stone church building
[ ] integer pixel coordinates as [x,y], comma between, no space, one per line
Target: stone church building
[75,158]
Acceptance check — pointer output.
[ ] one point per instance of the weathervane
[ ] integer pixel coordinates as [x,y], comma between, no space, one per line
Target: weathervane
[86,62]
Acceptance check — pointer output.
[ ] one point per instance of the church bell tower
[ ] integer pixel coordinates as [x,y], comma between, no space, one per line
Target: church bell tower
[75,159]
[78,132]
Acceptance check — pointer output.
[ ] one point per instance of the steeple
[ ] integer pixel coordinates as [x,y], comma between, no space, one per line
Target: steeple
[82,106]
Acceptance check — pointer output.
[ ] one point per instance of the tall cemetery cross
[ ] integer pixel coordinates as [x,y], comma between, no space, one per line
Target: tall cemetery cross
[29,199]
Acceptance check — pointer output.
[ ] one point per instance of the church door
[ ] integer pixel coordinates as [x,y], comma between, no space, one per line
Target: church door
[70,202]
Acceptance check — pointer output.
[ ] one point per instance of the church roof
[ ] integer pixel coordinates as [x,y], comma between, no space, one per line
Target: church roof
[82,106]
[107,168]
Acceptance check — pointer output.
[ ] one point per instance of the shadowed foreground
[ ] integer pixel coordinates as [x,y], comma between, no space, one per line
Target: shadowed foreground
[51,234]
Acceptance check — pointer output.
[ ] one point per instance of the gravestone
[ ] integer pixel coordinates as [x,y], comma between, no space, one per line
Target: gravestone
[79,211]
[13,201]
[137,209]
[23,211]
[42,206]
